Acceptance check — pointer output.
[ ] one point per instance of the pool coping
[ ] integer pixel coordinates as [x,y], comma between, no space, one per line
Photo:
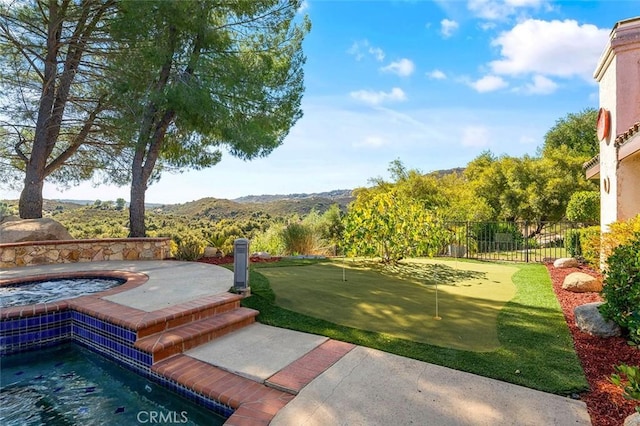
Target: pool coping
[132,280]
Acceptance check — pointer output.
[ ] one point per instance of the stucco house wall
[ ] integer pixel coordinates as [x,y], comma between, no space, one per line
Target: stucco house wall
[618,165]
[629,187]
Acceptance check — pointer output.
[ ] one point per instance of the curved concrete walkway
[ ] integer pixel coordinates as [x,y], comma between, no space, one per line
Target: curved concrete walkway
[365,387]
[170,282]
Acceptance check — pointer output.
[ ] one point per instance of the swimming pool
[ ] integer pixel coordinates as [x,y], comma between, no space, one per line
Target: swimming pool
[71,385]
[51,290]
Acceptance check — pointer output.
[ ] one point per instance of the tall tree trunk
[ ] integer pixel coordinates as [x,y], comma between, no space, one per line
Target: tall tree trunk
[30,204]
[56,88]
[150,141]
[138,190]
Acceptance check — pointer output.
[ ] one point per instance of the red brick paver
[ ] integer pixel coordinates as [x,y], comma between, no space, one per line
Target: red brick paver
[301,372]
[255,403]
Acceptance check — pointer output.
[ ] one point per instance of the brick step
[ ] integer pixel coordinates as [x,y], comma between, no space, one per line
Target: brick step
[187,312]
[178,339]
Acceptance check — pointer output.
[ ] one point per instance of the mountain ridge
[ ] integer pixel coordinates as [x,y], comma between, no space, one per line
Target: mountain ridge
[331,195]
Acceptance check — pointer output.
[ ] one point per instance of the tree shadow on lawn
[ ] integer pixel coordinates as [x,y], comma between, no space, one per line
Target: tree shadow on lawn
[400,304]
[428,274]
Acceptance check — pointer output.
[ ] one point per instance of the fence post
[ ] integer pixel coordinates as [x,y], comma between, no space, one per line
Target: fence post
[526,241]
[466,235]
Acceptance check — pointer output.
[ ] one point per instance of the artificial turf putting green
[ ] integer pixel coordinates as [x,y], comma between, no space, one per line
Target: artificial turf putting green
[400,300]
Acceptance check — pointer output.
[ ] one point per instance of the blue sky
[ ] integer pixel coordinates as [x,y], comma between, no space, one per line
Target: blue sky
[432,83]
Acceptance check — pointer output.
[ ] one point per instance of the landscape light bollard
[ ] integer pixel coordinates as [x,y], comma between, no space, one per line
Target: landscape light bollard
[241,266]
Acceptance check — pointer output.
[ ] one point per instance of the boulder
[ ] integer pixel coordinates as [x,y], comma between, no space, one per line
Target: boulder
[261,255]
[632,420]
[9,218]
[579,282]
[566,262]
[590,320]
[212,252]
[43,229]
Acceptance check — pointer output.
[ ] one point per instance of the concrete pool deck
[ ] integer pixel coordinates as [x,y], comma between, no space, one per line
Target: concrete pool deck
[292,378]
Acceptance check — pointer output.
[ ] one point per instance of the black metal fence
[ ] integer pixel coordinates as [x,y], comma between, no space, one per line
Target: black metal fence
[512,241]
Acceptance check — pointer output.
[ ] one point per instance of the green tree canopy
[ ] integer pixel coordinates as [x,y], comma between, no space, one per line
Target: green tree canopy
[577,132]
[389,224]
[52,55]
[201,75]
[528,188]
[461,202]
[584,206]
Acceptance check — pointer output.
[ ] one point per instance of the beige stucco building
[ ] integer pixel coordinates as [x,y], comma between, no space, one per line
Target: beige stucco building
[618,165]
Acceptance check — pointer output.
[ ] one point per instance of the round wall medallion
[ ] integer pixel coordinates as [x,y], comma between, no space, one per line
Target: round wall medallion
[603,126]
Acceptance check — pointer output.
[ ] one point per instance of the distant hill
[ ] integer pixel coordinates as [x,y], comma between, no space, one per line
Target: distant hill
[248,207]
[338,195]
[256,205]
[440,173]
[91,202]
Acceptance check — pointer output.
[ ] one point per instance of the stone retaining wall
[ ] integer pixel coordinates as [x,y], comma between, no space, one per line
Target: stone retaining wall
[70,251]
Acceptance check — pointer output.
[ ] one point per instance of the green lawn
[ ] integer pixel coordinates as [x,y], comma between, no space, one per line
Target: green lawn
[401,301]
[500,321]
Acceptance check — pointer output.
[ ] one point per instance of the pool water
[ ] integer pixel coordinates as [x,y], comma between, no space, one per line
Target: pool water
[31,292]
[70,385]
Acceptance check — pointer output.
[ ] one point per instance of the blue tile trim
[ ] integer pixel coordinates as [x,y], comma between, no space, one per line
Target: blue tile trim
[25,334]
[110,340]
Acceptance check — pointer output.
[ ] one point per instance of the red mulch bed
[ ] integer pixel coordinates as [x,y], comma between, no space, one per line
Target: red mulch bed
[598,356]
[229,259]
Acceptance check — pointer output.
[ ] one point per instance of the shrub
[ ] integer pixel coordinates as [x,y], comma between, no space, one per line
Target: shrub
[228,245]
[620,233]
[572,242]
[173,248]
[632,386]
[590,245]
[270,241]
[299,238]
[584,206]
[621,290]
[190,248]
[4,210]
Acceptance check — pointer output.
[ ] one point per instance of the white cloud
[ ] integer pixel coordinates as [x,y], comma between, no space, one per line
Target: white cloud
[489,83]
[486,26]
[448,27]
[355,51]
[550,48]
[495,10]
[377,53]
[376,98]
[541,85]
[360,48]
[404,67]
[475,136]
[371,142]
[524,3]
[436,75]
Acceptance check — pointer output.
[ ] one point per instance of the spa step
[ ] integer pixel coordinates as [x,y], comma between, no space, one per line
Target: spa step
[187,336]
[187,312]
